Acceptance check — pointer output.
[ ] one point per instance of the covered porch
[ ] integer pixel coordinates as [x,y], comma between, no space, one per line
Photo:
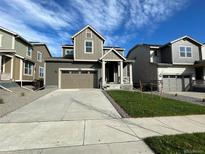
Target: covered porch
[200,70]
[6,67]
[116,71]
[116,74]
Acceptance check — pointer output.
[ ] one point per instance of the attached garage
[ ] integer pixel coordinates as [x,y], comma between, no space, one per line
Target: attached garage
[78,78]
[176,82]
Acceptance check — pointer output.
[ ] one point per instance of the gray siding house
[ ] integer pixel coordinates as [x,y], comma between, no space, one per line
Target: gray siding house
[89,64]
[21,61]
[174,66]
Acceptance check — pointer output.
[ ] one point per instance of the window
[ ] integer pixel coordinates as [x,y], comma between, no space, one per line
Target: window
[29,52]
[188,52]
[39,56]
[1,40]
[185,52]
[155,53]
[41,72]
[88,33]
[68,52]
[88,46]
[28,68]
[182,52]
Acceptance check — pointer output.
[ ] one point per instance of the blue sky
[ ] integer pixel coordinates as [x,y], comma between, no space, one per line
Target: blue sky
[123,23]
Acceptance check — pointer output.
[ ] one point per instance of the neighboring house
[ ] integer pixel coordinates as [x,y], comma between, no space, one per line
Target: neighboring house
[21,61]
[172,67]
[89,64]
[39,54]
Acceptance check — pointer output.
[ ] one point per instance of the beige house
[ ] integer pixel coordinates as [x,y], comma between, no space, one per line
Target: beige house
[89,64]
[21,61]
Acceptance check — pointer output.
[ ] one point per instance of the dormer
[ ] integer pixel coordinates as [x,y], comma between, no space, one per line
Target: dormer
[88,45]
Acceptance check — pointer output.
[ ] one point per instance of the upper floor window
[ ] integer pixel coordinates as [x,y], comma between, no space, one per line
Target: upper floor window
[1,40]
[41,72]
[68,52]
[88,33]
[88,48]
[185,52]
[155,53]
[28,68]
[39,56]
[29,52]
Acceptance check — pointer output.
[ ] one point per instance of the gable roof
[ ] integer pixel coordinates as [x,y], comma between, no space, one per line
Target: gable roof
[8,31]
[187,37]
[41,44]
[15,34]
[112,49]
[88,26]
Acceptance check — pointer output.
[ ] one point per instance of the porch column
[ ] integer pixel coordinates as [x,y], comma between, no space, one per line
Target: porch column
[103,73]
[130,65]
[12,66]
[0,65]
[204,72]
[121,72]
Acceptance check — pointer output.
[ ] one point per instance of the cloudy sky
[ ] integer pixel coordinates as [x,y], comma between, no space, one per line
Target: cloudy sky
[122,22]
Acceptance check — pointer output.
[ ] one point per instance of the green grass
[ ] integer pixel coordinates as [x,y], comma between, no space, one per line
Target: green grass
[152,105]
[185,143]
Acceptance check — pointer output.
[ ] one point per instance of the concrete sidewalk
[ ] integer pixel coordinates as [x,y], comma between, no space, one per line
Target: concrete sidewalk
[94,134]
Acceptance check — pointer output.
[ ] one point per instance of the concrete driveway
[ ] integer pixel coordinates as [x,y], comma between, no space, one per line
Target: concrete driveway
[61,105]
[68,121]
[198,95]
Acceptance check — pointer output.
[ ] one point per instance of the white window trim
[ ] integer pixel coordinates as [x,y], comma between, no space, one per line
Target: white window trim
[85,46]
[24,70]
[27,53]
[38,52]
[1,36]
[91,36]
[40,71]
[185,52]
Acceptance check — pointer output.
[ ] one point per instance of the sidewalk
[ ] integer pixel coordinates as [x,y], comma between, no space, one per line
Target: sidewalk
[94,135]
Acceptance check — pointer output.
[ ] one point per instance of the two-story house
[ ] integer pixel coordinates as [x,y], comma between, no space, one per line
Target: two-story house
[172,66]
[21,61]
[87,63]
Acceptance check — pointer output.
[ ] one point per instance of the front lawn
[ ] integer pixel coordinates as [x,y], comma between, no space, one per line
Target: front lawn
[185,143]
[151,105]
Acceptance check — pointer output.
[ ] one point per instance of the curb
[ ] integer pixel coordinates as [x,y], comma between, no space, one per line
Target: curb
[121,111]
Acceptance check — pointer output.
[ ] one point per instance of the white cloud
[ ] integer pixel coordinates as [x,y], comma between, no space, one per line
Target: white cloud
[54,23]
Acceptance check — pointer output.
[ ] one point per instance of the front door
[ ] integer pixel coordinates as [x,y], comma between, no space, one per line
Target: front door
[199,73]
[111,72]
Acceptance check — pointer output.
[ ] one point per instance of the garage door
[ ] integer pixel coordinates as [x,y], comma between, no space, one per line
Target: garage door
[78,79]
[176,82]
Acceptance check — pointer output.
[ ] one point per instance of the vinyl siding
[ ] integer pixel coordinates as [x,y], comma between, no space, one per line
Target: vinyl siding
[21,48]
[79,46]
[38,64]
[16,73]
[112,55]
[6,40]
[53,67]
[188,60]
[142,68]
